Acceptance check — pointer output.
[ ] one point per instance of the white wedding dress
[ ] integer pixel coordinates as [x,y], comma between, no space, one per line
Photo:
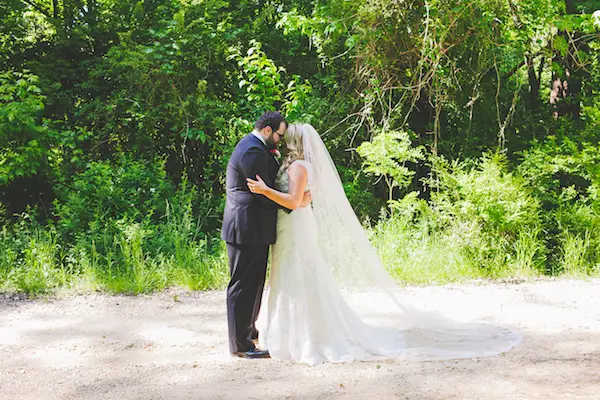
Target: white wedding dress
[304,316]
[322,262]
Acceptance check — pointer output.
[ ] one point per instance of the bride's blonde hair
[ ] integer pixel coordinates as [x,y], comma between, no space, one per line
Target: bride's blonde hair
[295,147]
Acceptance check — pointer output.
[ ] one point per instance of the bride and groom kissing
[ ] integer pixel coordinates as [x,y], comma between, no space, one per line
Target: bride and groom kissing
[321,259]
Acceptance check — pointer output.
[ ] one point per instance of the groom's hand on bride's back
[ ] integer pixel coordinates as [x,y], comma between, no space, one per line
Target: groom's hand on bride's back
[306,199]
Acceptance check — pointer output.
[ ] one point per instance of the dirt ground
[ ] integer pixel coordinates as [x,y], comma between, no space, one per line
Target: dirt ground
[172,345]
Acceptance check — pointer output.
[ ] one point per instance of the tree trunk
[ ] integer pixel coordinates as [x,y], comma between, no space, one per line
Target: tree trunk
[534,82]
[566,83]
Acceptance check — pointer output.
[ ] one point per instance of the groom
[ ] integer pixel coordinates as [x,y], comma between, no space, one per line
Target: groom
[249,223]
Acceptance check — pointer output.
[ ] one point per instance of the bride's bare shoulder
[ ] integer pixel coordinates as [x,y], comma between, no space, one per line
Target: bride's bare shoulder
[298,167]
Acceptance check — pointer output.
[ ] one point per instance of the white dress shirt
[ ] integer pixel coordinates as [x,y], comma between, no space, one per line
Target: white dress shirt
[258,135]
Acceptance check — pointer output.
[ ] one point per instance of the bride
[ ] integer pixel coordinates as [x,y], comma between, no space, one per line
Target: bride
[323,269]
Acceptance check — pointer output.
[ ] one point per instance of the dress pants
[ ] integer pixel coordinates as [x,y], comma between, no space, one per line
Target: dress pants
[247,269]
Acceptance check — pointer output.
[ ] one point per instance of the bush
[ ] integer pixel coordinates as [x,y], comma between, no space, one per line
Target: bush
[118,253]
[481,221]
[30,258]
[107,191]
[564,174]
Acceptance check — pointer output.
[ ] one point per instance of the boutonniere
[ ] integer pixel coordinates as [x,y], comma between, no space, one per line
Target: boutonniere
[275,153]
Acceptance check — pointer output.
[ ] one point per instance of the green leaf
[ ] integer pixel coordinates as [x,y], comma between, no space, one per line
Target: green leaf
[560,44]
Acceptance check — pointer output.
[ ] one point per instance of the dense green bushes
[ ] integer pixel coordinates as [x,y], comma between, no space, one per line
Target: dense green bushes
[465,133]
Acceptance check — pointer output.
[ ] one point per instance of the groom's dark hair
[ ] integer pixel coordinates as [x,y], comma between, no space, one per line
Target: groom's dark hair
[272,119]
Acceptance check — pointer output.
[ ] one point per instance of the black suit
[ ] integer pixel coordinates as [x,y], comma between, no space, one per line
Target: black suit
[249,224]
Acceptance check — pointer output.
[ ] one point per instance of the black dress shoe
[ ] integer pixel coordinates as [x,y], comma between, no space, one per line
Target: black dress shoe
[252,354]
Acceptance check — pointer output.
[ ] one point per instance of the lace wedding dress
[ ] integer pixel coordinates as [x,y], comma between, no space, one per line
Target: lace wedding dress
[305,317]
[322,263]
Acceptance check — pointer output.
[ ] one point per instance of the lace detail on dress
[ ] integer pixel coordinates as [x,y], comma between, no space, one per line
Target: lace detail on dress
[304,316]
[282,182]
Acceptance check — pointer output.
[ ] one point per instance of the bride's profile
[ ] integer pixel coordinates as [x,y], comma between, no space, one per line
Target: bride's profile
[323,268]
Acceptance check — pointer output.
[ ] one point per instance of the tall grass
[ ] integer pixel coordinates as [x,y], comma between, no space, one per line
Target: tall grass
[481,221]
[418,256]
[122,256]
[198,262]
[34,268]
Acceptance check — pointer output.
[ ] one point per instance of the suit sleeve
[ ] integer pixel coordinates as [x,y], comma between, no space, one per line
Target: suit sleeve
[253,163]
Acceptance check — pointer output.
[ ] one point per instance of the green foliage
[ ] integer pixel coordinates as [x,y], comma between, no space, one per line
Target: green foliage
[387,155]
[117,120]
[199,262]
[261,79]
[482,221]
[106,192]
[23,138]
[565,175]
[360,193]
[29,259]
[492,210]
[117,255]
[297,100]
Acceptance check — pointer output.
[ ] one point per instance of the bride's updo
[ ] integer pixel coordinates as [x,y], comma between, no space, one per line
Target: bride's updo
[295,147]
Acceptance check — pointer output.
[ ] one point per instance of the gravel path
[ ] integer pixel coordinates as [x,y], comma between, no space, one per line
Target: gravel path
[172,346]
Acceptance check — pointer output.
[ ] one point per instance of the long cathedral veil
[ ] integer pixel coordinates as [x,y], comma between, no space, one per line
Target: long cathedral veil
[362,277]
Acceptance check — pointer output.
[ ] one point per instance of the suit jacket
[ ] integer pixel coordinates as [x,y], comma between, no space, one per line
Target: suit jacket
[249,218]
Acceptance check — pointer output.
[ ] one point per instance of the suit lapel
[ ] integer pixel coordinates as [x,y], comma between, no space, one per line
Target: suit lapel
[251,136]
[273,163]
